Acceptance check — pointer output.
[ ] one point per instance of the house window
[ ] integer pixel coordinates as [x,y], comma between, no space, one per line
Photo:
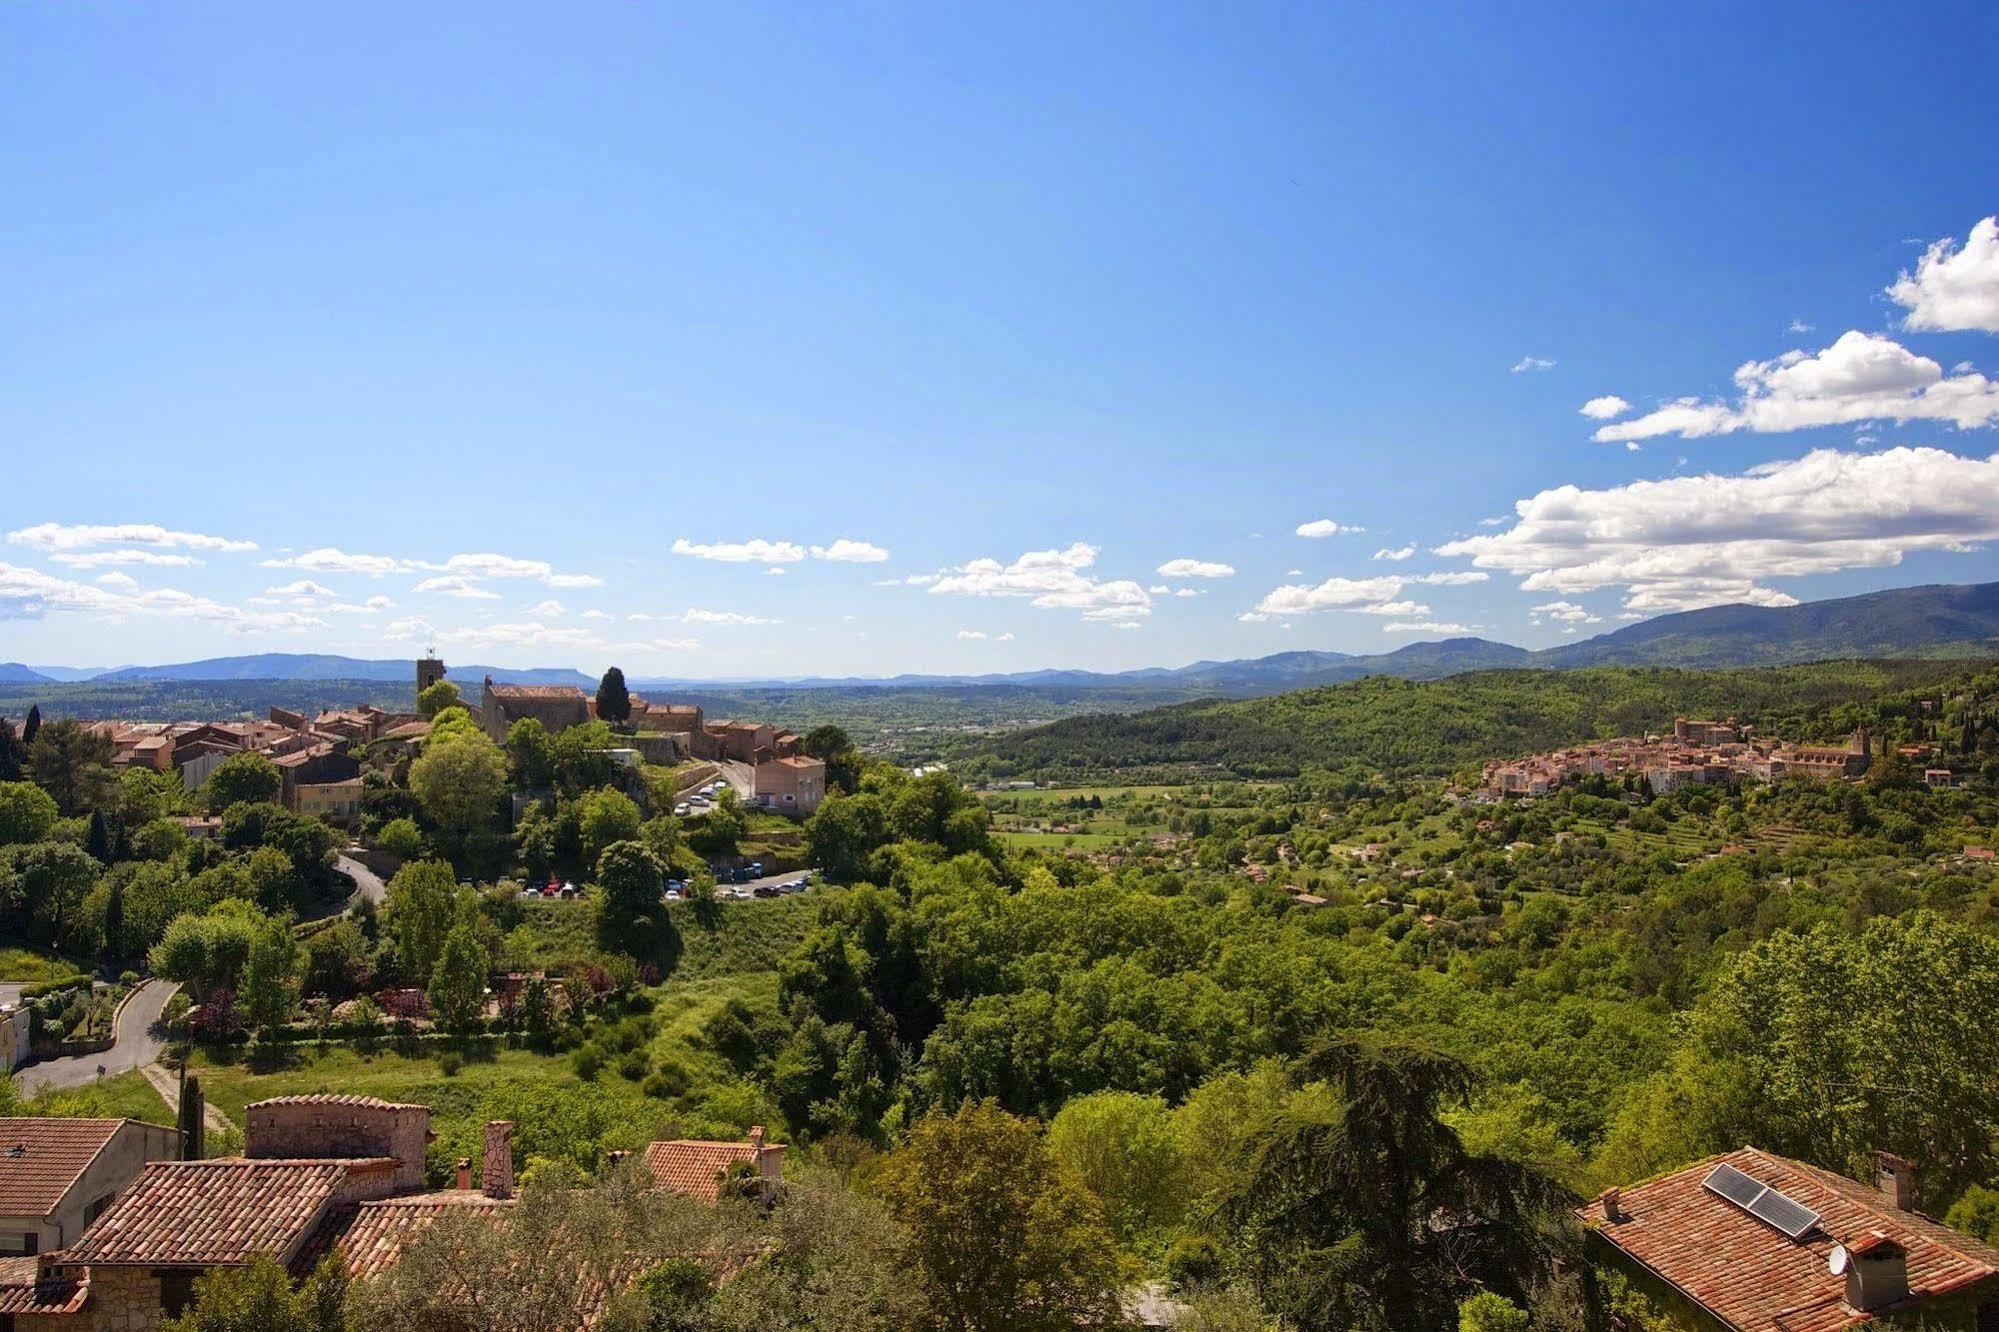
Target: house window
[176,1290]
[21,1243]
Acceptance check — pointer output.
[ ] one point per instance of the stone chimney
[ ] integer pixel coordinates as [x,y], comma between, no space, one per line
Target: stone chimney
[464,1173]
[1898,1180]
[1877,1272]
[757,1137]
[496,1172]
[1613,1211]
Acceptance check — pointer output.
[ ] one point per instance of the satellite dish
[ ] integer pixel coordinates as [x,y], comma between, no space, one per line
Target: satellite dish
[1835,1261]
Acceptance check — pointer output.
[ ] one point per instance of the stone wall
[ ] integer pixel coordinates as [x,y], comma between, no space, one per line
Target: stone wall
[341,1128]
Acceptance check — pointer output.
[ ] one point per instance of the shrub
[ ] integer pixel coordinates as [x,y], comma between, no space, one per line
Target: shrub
[450,1062]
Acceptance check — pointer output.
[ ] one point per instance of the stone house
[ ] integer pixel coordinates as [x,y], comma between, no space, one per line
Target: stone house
[698,1169]
[557,707]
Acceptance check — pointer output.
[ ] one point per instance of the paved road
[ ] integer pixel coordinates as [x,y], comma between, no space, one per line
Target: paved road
[135,1044]
[367,883]
[10,993]
[723,889]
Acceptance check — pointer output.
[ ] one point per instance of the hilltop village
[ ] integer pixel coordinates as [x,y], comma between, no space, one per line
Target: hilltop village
[1710,753]
[322,757]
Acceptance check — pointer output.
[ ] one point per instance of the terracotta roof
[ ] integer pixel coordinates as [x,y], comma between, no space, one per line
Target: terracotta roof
[1748,1275]
[205,1213]
[22,1293]
[337,1098]
[373,1235]
[696,1168]
[535,691]
[40,1160]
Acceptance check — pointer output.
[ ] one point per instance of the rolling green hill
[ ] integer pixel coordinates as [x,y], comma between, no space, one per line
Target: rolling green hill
[1438,725]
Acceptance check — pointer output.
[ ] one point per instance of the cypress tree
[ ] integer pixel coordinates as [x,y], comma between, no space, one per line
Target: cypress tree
[98,843]
[193,1145]
[114,918]
[32,724]
[614,701]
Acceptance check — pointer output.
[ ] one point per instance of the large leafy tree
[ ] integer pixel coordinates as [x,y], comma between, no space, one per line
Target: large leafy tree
[421,909]
[240,779]
[271,974]
[42,890]
[436,698]
[1875,1040]
[260,1297]
[459,780]
[1368,1211]
[603,817]
[1005,1242]
[27,812]
[457,990]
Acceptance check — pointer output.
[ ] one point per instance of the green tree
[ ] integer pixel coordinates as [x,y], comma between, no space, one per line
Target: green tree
[191,1119]
[27,812]
[535,838]
[259,1297]
[421,907]
[401,839]
[603,817]
[72,762]
[1338,1213]
[31,725]
[436,697]
[459,781]
[11,752]
[42,888]
[241,779]
[1976,1213]
[1004,1242]
[271,972]
[1125,1149]
[832,746]
[843,835]
[1865,1041]
[630,878]
[457,990]
[207,951]
[530,755]
[614,701]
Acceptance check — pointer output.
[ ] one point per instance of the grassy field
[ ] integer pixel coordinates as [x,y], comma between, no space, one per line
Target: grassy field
[1048,841]
[32,966]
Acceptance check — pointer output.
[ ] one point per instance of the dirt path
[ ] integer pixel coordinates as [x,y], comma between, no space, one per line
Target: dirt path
[168,1086]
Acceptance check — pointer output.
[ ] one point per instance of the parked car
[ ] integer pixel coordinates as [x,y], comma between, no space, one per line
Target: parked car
[680,810]
[673,894]
[794,886]
[764,890]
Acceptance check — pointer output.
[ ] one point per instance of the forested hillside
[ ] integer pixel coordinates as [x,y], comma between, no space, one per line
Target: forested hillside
[1406,726]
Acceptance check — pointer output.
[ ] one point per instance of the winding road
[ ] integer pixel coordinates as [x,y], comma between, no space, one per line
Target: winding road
[134,1044]
[367,883]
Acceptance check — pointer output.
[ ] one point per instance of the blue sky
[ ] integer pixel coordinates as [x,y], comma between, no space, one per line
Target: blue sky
[549,334]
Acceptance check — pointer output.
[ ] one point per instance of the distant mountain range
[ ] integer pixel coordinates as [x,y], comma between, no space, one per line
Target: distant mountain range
[1931,621]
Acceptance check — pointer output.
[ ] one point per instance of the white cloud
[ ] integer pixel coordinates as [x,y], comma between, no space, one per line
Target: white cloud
[1605,407]
[1428,627]
[1700,540]
[451,585]
[1566,612]
[303,587]
[972,635]
[104,559]
[1953,288]
[1325,527]
[1400,553]
[29,594]
[1052,580]
[1527,363]
[724,617]
[1393,608]
[549,609]
[573,580]
[594,614]
[1450,578]
[116,579]
[846,551]
[1797,326]
[1184,592]
[775,571]
[332,560]
[1860,377]
[754,551]
[81,536]
[1333,594]
[1191,568]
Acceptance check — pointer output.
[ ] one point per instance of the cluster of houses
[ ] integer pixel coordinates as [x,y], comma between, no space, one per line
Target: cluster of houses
[322,778]
[767,761]
[104,1229]
[1696,753]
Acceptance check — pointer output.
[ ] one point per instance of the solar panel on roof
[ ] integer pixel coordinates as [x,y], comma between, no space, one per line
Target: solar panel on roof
[1761,1201]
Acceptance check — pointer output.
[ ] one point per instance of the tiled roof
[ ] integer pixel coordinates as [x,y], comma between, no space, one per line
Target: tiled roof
[536,691]
[374,1234]
[337,1098]
[40,1160]
[696,1168]
[1749,1275]
[21,1293]
[203,1213]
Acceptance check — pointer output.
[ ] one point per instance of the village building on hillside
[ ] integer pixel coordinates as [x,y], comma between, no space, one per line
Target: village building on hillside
[557,707]
[59,1175]
[791,785]
[1754,1242]
[1697,753]
[702,1169]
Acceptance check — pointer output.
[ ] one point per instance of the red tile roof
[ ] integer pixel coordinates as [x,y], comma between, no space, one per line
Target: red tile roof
[22,1293]
[696,1168]
[374,1234]
[535,691]
[1748,1275]
[40,1160]
[205,1213]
